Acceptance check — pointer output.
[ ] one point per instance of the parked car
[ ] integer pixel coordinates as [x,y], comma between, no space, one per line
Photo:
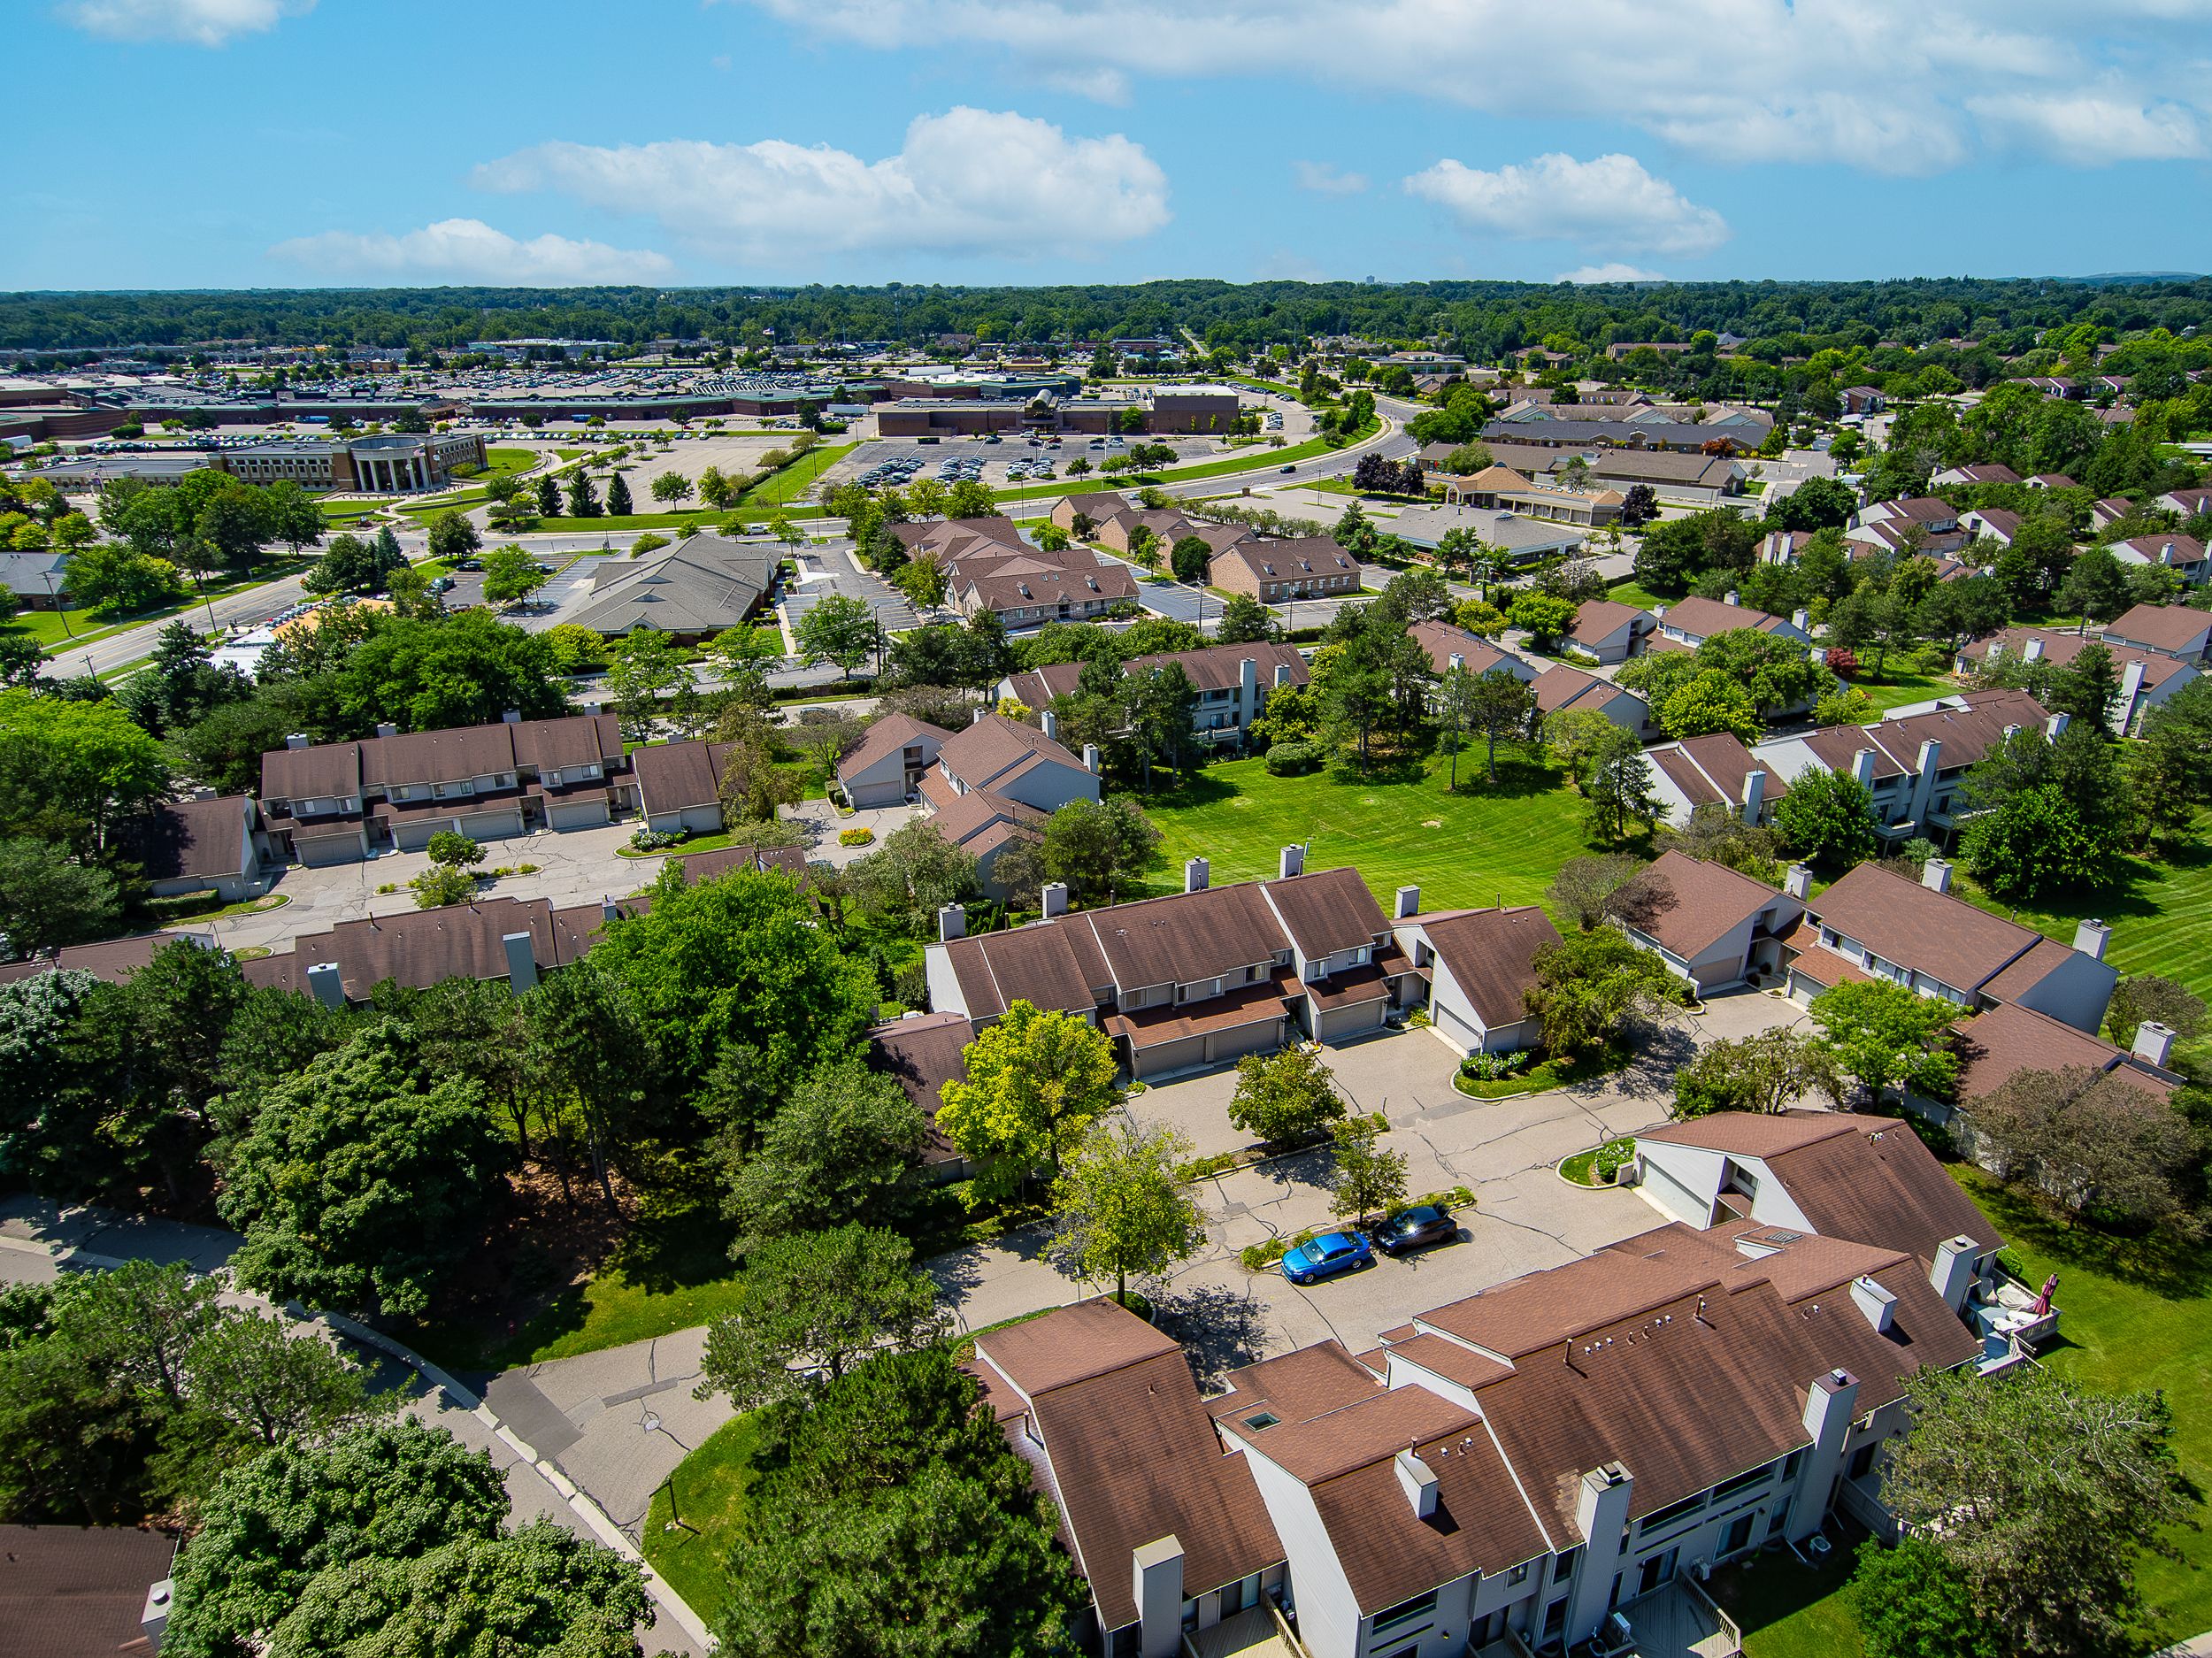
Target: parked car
[468,563]
[1326,1257]
[1415,1228]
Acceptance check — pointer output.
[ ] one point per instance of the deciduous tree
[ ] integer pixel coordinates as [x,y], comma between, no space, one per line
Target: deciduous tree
[1887,1037]
[1287,1097]
[1118,1207]
[1036,1081]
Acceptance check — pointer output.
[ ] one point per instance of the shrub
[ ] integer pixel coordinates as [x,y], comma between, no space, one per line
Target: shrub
[1292,758]
[1843,662]
[856,837]
[441,885]
[1494,1067]
[1615,1155]
[451,848]
[649,839]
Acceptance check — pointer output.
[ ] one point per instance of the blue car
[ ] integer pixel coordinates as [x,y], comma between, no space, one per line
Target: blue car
[1326,1257]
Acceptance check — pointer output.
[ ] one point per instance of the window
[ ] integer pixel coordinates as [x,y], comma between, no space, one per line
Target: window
[1421,1607]
[1727,1487]
[1739,1535]
[1790,1464]
[1673,1511]
[1556,1618]
[1563,1568]
[1863,1459]
[1265,1419]
[1519,1574]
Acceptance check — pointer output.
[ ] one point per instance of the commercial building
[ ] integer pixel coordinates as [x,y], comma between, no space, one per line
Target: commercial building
[690,591]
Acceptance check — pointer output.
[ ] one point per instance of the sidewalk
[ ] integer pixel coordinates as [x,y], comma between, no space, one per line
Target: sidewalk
[40,1241]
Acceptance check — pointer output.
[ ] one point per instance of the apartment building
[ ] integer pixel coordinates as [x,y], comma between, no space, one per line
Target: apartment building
[1277,570]
[1877,923]
[1913,760]
[1501,1473]
[2148,679]
[334,802]
[989,567]
[1232,682]
[1449,647]
[1197,978]
[1689,623]
[1480,964]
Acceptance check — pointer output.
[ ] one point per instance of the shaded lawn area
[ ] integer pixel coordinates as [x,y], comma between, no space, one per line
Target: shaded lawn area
[1789,1609]
[2132,1316]
[709,1489]
[1896,687]
[1485,845]
[2159,911]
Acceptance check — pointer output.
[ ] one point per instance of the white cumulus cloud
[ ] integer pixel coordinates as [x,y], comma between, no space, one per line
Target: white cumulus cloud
[194,22]
[1908,86]
[968,182]
[471,252]
[1608,202]
[1325,179]
[1613,270]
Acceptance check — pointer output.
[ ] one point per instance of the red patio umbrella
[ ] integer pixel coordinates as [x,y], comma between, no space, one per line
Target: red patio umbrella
[2043,1301]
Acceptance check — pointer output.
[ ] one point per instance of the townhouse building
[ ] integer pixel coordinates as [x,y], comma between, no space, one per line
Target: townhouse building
[1480,963]
[1501,1473]
[2148,679]
[2178,630]
[894,755]
[1560,689]
[1281,569]
[1913,760]
[1877,923]
[1195,979]
[1688,622]
[1713,926]
[334,802]
[997,755]
[1715,769]
[196,846]
[989,567]
[1611,631]
[1449,647]
[1232,682]
[2184,555]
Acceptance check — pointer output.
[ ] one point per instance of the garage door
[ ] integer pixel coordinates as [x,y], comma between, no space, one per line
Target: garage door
[1461,1032]
[1191,1050]
[323,851]
[1250,1039]
[578,814]
[1342,1022]
[490,826]
[1674,1197]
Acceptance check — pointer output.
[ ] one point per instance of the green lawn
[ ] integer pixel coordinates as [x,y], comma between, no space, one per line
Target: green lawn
[1631,592]
[782,488]
[684,1540]
[1480,847]
[1787,1609]
[2159,911]
[1897,686]
[1180,474]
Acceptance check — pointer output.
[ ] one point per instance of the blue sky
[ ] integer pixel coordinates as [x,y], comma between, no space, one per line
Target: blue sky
[177,143]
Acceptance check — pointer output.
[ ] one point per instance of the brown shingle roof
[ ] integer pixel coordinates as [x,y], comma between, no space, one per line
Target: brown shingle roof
[2168,627]
[676,775]
[1696,903]
[77,1592]
[1701,618]
[193,838]
[1916,926]
[1443,642]
[888,736]
[1999,1042]
[1187,935]
[1132,1454]
[114,961]
[1491,955]
[318,772]
[434,756]
[994,746]
[576,740]
[1327,911]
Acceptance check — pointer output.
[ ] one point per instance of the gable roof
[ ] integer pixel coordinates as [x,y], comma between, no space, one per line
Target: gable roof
[886,737]
[2170,627]
[187,838]
[995,748]
[1696,903]
[1701,618]
[1491,955]
[1916,926]
[702,584]
[1443,642]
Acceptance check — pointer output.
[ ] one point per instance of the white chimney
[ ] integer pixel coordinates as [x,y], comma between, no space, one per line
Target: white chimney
[1195,874]
[1054,898]
[1418,1481]
[1293,861]
[2033,651]
[1732,597]
[1409,904]
[608,911]
[296,740]
[1456,660]
[952,922]
[1935,875]
[2011,732]
[522,961]
[1282,673]
[512,717]
[1952,1274]
[1158,1587]
[384,728]
[1091,762]
[323,979]
[1754,794]
[1863,768]
[976,719]
[1801,620]
[1048,723]
[1875,1302]
[2055,727]
[2091,937]
[1799,882]
[2131,688]
[2153,1043]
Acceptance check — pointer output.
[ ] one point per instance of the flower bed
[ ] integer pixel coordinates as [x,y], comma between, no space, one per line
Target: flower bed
[1601,1165]
[856,837]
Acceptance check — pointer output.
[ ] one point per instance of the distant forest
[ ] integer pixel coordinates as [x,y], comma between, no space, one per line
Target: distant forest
[1484,320]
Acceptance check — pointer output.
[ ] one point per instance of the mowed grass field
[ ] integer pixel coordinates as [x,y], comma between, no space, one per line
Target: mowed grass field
[1484,845]
[2160,912]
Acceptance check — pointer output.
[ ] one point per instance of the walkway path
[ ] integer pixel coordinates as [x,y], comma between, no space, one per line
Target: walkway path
[40,1241]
